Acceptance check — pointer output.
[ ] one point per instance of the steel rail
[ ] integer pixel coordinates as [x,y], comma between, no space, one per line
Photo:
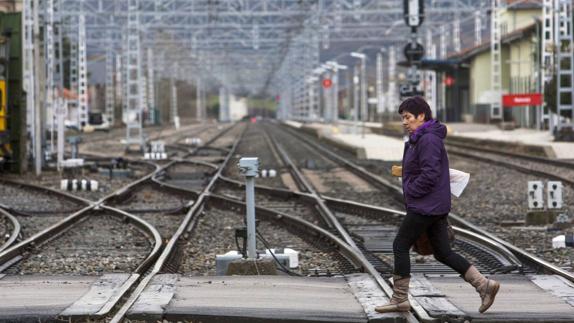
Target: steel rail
[354,168]
[156,179]
[520,168]
[48,190]
[190,217]
[335,224]
[66,223]
[540,159]
[290,221]
[507,259]
[327,215]
[147,229]
[11,255]
[419,311]
[348,252]
[518,252]
[505,256]
[192,151]
[16,228]
[113,136]
[62,225]
[275,191]
[145,226]
[116,201]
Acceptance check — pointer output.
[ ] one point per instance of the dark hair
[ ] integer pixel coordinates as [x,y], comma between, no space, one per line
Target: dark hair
[417,106]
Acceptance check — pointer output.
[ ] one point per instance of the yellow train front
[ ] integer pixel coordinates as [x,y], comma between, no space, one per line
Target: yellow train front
[13,132]
[5,151]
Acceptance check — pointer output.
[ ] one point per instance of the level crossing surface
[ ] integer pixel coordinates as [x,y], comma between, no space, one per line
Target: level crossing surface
[173,297]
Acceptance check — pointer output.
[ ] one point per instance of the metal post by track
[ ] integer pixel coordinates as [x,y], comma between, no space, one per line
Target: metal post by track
[249,167]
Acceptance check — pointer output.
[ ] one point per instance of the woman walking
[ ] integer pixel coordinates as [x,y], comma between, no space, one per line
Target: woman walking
[426,189]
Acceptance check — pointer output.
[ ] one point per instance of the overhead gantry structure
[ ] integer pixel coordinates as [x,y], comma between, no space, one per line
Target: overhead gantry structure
[242,44]
[247,47]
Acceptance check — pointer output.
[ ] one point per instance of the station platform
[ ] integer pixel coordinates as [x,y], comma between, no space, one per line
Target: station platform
[366,145]
[559,150]
[40,298]
[385,142]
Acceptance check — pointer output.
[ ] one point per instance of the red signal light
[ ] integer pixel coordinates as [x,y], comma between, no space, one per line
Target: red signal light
[327,83]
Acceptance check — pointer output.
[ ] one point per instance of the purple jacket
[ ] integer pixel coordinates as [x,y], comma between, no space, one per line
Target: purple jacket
[426,183]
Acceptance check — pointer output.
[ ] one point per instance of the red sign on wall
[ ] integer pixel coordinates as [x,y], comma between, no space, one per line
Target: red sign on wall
[327,83]
[522,100]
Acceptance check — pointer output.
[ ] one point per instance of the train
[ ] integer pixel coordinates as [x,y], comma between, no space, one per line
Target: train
[12,98]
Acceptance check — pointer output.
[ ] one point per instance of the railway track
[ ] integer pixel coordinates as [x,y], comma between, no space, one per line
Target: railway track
[374,240]
[160,206]
[191,175]
[528,261]
[371,236]
[212,212]
[330,177]
[106,145]
[256,142]
[9,229]
[28,209]
[34,251]
[66,248]
[171,214]
[110,174]
[376,261]
[99,243]
[540,166]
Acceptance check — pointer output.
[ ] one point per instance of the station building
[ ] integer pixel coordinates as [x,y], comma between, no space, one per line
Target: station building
[466,78]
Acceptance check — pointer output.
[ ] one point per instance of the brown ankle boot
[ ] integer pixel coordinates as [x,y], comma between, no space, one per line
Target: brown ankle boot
[400,300]
[486,288]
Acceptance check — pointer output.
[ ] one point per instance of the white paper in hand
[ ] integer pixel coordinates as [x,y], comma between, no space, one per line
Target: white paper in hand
[458,181]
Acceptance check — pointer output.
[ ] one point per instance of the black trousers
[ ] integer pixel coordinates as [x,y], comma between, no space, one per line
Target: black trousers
[435,226]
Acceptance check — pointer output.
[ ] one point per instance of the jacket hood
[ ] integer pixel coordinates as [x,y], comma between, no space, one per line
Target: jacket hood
[432,126]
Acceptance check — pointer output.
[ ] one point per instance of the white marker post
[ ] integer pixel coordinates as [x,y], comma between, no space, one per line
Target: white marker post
[249,167]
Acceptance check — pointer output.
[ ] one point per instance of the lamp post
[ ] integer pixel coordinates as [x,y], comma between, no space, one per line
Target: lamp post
[363,80]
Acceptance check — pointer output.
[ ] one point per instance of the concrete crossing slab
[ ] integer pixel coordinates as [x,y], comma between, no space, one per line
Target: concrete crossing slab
[519,300]
[261,299]
[43,298]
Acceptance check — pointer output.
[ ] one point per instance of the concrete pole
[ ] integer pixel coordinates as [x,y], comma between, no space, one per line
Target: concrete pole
[198,108]
[379,91]
[335,95]
[174,103]
[38,108]
[60,114]
[364,108]
[327,106]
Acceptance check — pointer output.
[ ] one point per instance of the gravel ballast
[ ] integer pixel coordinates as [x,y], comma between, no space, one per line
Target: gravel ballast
[101,243]
[202,247]
[495,194]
